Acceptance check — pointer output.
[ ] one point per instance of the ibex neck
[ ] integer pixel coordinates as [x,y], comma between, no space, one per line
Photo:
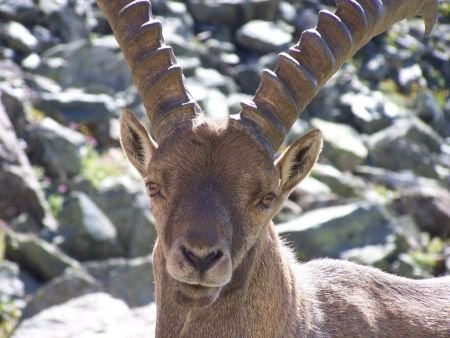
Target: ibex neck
[263,305]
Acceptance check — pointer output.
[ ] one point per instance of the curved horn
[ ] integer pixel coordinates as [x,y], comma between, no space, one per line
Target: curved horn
[303,70]
[157,76]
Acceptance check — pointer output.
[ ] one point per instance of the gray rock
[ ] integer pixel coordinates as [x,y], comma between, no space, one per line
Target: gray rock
[126,204]
[248,76]
[50,6]
[129,280]
[212,78]
[57,148]
[310,194]
[263,37]
[376,69]
[234,102]
[64,21]
[342,184]
[372,255]
[407,144]
[10,284]
[369,112]
[77,106]
[427,107]
[392,179]
[19,38]
[24,11]
[87,233]
[231,13]
[24,223]
[96,314]
[406,266]
[429,206]
[41,83]
[39,257]
[86,65]
[13,99]
[73,283]
[216,105]
[411,75]
[20,191]
[287,12]
[306,19]
[343,145]
[334,230]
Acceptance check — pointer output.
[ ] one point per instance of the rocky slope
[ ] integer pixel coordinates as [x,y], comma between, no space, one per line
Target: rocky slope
[76,229]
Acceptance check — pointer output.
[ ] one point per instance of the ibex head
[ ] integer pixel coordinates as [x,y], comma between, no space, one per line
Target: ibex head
[215,185]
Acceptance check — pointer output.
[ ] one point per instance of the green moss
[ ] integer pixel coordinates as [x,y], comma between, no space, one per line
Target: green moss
[9,314]
[425,260]
[33,114]
[2,245]
[95,168]
[55,201]
[444,9]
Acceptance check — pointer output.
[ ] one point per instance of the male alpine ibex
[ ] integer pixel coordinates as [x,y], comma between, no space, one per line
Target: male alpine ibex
[220,268]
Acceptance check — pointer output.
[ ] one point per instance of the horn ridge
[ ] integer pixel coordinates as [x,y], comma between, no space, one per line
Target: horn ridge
[304,69]
[156,74]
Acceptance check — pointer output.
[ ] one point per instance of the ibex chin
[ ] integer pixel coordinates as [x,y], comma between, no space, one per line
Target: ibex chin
[220,268]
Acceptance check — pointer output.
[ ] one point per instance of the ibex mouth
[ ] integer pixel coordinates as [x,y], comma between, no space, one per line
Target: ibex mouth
[195,295]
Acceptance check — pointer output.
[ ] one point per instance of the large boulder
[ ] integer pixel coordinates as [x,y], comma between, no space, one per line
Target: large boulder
[232,13]
[19,38]
[429,206]
[83,64]
[342,184]
[408,144]
[368,112]
[263,37]
[87,233]
[72,284]
[20,190]
[56,147]
[10,284]
[330,232]
[37,256]
[96,314]
[342,144]
[126,204]
[129,280]
[24,11]
[77,106]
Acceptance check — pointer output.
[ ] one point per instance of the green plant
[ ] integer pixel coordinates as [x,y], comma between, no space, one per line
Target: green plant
[9,314]
[55,201]
[96,168]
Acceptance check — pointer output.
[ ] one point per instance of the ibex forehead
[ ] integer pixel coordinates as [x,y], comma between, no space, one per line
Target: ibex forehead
[210,152]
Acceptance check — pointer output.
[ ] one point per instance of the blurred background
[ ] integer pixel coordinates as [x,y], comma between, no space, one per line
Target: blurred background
[76,229]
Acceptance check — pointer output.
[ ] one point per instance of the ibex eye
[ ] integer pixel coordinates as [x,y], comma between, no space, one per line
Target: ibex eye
[268,200]
[152,189]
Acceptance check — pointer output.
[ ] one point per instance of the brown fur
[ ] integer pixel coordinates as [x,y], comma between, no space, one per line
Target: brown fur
[211,179]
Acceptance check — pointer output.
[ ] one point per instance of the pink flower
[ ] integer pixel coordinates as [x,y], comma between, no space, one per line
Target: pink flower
[62,188]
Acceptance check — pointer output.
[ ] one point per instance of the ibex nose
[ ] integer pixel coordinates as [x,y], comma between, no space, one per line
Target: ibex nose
[198,260]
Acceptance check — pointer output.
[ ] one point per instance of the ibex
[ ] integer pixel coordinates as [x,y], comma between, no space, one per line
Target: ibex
[220,268]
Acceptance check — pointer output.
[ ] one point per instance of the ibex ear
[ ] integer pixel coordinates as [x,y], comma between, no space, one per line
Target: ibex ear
[136,142]
[298,159]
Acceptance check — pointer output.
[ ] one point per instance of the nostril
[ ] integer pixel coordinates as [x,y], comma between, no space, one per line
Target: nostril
[190,257]
[201,263]
[213,257]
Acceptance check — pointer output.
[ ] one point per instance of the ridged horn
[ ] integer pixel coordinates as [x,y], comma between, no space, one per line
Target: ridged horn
[153,66]
[301,72]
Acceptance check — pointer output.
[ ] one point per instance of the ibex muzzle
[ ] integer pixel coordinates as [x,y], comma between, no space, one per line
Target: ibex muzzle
[220,268]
